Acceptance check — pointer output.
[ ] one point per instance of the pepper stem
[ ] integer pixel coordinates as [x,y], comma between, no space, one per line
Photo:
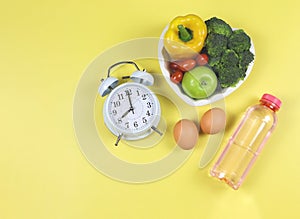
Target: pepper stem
[185,34]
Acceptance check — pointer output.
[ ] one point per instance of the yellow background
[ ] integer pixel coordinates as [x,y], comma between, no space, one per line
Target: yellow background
[45,47]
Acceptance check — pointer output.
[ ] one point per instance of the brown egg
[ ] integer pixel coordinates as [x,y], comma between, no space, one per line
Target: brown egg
[186,134]
[213,121]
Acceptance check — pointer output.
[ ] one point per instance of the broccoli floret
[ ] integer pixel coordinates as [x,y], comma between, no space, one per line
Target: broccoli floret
[229,77]
[246,58]
[216,25]
[213,61]
[239,41]
[215,44]
[228,69]
[229,58]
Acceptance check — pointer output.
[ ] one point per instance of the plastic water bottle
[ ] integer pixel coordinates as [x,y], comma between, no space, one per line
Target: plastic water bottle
[247,142]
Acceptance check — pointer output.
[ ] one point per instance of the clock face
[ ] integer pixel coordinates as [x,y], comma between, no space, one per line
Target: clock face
[131,109]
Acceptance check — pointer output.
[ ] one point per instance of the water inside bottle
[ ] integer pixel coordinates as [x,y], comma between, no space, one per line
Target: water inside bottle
[232,170]
[242,149]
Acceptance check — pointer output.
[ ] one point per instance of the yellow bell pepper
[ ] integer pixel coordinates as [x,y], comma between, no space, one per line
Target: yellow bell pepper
[185,37]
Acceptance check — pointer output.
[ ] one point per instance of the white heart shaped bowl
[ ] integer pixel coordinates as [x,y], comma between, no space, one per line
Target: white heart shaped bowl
[219,93]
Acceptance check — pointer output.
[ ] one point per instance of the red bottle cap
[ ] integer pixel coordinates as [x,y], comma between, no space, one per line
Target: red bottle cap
[272,100]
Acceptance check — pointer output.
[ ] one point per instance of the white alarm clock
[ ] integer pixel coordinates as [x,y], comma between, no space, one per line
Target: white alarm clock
[131,110]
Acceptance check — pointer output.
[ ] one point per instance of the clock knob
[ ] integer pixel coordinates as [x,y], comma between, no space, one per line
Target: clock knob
[107,85]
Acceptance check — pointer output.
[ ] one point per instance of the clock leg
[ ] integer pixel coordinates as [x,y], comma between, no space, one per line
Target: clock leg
[156,130]
[118,139]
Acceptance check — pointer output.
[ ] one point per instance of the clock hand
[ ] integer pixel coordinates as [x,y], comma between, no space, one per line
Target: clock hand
[125,114]
[130,103]
[130,106]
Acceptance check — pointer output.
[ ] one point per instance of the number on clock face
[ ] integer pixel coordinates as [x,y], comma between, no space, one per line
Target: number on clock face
[132,108]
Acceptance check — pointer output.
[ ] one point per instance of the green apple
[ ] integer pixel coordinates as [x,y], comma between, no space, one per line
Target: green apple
[200,82]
